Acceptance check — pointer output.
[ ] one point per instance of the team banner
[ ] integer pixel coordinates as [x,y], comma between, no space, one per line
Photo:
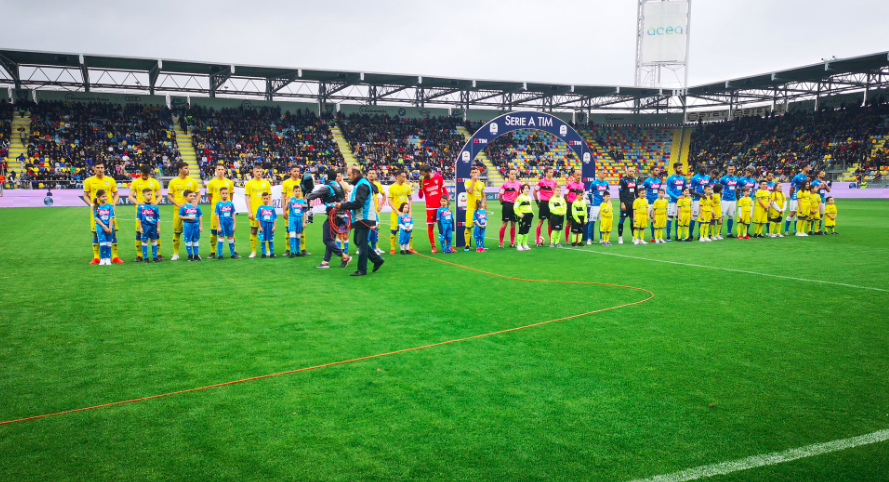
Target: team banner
[665,31]
[507,123]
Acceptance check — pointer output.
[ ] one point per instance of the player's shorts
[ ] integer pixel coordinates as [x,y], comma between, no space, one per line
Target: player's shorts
[149,233]
[543,212]
[266,233]
[640,222]
[606,225]
[568,218]
[254,223]
[556,221]
[102,237]
[627,213]
[431,215]
[508,213]
[525,223]
[577,228]
[295,224]
[793,204]
[226,229]
[393,221]
[192,232]
[660,222]
[672,209]
[695,208]
[821,209]
[594,214]
[729,208]
[404,237]
[177,222]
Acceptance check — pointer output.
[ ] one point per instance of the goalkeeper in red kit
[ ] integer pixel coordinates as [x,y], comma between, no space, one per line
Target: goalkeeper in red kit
[432,189]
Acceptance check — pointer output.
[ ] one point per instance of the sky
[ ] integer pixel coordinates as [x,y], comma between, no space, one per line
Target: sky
[557,41]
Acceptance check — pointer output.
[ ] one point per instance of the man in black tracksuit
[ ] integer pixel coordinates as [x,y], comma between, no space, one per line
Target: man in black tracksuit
[629,184]
[364,219]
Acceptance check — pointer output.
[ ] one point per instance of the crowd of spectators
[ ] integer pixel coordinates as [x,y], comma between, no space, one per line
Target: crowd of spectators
[5,132]
[241,137]
[68,138]
[829,139]
[395,143]
[504,152]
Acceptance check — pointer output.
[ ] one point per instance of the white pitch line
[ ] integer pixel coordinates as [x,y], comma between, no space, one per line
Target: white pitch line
[773,458]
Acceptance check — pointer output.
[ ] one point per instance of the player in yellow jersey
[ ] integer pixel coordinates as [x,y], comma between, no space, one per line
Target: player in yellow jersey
[136,197]
[745,212]
[99,181]
[606,219]
[475,190]
[683,207]
[218,182]
[776,212]
[705,215]
[399,193]
[803,209]
[659,215]
[716,199]
[176,195]
[253,191]
[830,216]
[379,200]
[640,217]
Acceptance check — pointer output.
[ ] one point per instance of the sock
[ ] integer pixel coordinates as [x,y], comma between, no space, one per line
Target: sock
[821,225]
[298,244]
[411,244]
[592,231]
[620,228]
[519,239]
[188,247]
[253,240]
[262,247]
[512,234]
[538,232]
[139,242]
[669,227]
[195,248]
[567,231]
[392,239]
[502,233]
[214,237]
[114,252]
[271,247]
[730,222]
[144,249]
[154,246]
[787,225]
[653,236]
[691,228]
[231,245]
[302,240]
[430,230]
[177,240]
[97,250]
[293,245]
[219,247]
[704,230]
[800,226]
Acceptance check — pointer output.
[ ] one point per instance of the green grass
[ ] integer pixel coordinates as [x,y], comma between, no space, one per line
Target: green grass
[720,365]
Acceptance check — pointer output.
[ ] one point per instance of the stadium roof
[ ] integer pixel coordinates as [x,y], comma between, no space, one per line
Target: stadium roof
[34,69]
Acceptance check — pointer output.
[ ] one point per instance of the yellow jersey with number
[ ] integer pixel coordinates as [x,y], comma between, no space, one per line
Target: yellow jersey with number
[254,190]
[400,193]
[93,184]
[140,185]
[177,188]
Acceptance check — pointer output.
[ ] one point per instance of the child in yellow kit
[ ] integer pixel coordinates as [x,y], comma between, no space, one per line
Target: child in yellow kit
[706,215]
[830,216]
[803,209]
[745,207]
[640,217]
[683,205]
[659,216]
[776,212]
[716,199]
[606,219]
[761,209]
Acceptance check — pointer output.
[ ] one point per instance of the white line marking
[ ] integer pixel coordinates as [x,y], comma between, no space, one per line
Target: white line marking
[773,458]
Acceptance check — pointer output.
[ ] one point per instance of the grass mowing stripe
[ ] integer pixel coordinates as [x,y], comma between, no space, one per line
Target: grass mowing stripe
[378,355]
[773,458]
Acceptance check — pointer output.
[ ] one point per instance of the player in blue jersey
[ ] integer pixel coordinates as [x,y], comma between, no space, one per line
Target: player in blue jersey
[296,208]
[698,185]
[795,183]
[596,193]
[104,216]
[225,217]
[674,186]
[480,224]
[267,218]
[731,185]
[192,224]
[652,185]
[147,219]
[445,225]
[823,188]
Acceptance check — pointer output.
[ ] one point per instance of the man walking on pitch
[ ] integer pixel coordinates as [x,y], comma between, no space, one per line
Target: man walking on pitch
[361,202]
[432,189]
[627,193]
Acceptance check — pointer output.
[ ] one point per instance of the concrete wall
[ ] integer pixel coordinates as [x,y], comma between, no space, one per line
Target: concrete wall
[121,99]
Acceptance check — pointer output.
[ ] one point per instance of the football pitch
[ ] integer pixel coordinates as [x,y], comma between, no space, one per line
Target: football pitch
[747,348]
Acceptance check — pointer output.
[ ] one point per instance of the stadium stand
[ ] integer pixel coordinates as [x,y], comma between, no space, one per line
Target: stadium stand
[5,132]
[65,139]
[529,152]
[240,137]
[841,139]
[616,146]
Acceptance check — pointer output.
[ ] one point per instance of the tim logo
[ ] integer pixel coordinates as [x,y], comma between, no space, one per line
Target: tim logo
[575,143]
[465,156]
[494,128]
[563,130]
[479,141]
[586,157]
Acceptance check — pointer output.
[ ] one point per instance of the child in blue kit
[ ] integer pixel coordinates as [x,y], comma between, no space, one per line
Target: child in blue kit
[267,218]
[147,219]
[445,225]
[296,208]
[479,224]
[225,214]
[405,227]
[192,224]
[104,215]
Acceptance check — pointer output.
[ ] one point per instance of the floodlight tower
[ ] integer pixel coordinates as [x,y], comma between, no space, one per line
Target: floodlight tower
[662,39]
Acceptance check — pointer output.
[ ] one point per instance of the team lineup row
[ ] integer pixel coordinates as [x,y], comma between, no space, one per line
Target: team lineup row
[655,203]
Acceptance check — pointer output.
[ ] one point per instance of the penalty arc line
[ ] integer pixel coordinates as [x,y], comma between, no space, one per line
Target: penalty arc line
[378,355]
[773,458]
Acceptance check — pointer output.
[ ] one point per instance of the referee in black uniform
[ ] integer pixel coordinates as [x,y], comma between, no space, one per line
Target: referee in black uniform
[629,183]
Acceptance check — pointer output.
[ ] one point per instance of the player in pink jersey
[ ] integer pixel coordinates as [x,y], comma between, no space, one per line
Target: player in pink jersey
[573,190]
[432,189]
[542,195]
[509,191]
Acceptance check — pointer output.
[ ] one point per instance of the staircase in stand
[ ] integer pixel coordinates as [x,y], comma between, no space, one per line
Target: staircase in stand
[186,149]
[16,147]
[343,144]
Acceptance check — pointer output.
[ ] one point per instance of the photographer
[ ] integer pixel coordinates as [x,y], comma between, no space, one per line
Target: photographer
[331,194]
[361,202]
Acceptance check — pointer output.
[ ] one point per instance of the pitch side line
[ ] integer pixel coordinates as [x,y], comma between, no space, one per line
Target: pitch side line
[773,458]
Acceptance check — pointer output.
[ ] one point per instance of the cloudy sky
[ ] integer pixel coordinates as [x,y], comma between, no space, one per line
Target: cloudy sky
[574,42]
